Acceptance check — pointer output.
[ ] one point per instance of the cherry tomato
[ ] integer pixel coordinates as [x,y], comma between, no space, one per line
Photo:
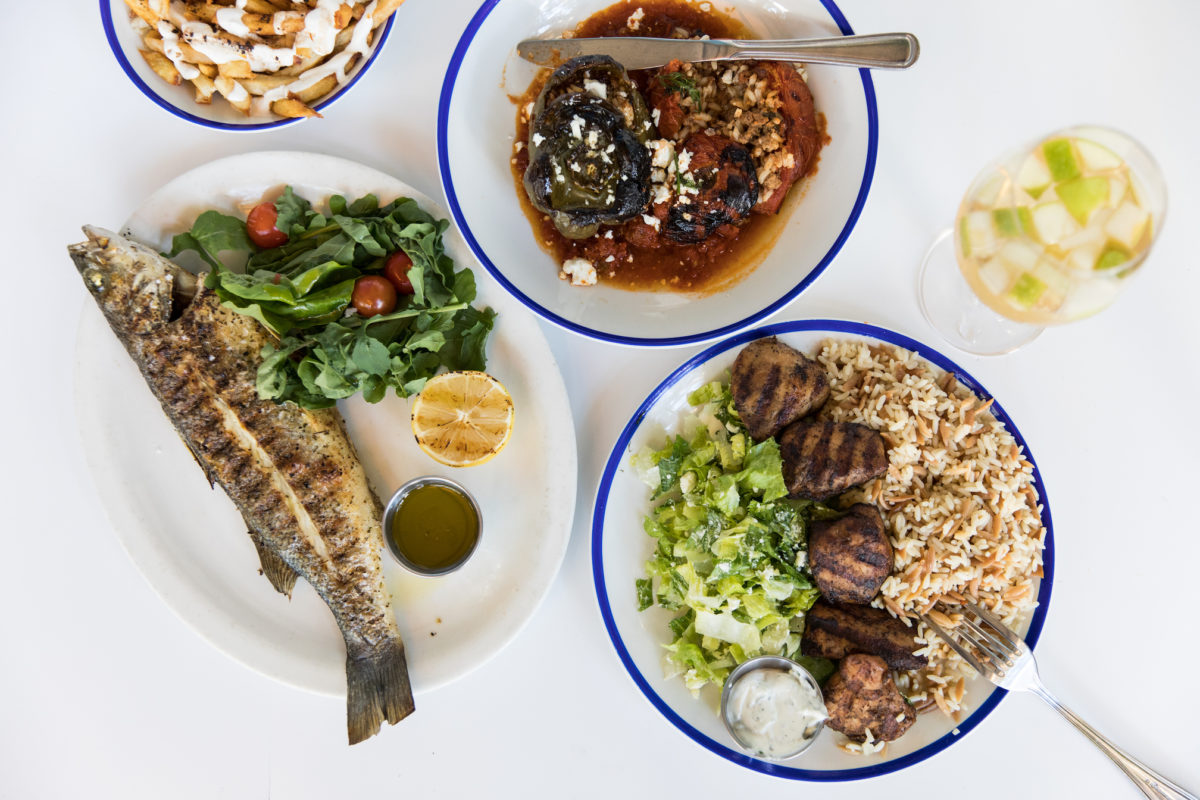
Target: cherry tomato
[373,294]
[260,225]
[396,270]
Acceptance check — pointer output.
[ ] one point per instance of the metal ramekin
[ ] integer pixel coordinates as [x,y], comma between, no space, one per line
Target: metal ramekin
[775,663]
[390,511]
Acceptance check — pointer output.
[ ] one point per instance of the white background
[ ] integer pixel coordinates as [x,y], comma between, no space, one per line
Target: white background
[107,694]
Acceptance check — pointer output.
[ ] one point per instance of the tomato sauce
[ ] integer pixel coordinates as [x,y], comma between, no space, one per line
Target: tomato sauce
[703,268]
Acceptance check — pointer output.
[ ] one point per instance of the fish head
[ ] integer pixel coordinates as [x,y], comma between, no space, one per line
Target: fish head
[132,284]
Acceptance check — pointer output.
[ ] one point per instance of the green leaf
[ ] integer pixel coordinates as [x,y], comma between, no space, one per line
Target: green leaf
[212,233]
[293,212]
[371,356]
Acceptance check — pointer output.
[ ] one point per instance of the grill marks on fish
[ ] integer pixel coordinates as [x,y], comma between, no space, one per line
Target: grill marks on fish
[291,472]
[822,458]
[774,385]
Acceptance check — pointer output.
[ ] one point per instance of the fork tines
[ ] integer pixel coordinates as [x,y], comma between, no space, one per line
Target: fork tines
[986,643]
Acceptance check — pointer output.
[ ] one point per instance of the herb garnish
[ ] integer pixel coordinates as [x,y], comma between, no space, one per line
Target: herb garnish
[681,84]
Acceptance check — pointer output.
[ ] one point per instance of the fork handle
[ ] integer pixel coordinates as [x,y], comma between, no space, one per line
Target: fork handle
[1153,785]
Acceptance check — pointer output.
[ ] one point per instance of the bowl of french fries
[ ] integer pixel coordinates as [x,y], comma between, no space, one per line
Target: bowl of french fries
[246,64]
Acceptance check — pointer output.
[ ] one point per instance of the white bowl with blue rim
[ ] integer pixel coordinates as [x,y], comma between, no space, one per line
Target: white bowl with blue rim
[180,100]
[476,121]
[620,550]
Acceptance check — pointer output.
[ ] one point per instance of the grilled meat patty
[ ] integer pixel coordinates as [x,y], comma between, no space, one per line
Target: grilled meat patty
[291,472]
[774,385]
[835,632]
[850,557]
[862,696]
[822,459]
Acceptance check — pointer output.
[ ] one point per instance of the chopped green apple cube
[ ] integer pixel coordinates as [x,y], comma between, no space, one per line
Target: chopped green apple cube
[1096,157]
[1006,221]
[1057,282]
[1019,254]
[1027,290]
[1082,196]
[1113,256]
[990,189]
[1052,222]
[995,275]
[978,234]
[1060,159]
[1118,187]
[1127,224]
[1034,178]
[1083,257]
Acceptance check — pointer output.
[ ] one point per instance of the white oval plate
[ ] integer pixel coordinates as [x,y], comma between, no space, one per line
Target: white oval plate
[476,123]
[190,542]
[620,549]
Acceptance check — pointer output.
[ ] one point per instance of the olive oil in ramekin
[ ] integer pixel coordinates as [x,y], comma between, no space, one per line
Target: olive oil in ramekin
[432,526]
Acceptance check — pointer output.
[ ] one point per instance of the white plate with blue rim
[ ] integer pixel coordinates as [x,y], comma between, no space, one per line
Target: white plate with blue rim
[188,539]
[620,550]
[476,122]
[180,100]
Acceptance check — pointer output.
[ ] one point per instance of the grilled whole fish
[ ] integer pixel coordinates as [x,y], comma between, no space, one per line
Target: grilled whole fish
[292,472]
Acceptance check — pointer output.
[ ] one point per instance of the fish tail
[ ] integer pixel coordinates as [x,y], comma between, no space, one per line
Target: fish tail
[276,570]
[377,687]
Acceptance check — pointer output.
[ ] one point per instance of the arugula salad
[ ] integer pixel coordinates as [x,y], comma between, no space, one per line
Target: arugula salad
[360,299]
[730,555]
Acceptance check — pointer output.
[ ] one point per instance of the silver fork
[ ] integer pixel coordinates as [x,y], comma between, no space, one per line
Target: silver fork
[1002,657]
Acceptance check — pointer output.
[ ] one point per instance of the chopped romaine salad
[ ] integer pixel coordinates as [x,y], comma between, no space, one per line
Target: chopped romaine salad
[731,554]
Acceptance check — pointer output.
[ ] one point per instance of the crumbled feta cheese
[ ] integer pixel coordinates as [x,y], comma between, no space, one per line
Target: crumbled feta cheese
[577,127]
[518,146]
[608,234]
[662,152]
[529,110]
[610,259]
[653,222]
[662,193]
[579,271]
[610,148]
[610,198]
[635,19]
[575,166]
[538,139]
[685,158]
[597,88]
[655,115]
[593,139]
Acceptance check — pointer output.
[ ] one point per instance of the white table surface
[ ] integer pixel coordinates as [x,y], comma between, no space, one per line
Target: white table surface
[107,694]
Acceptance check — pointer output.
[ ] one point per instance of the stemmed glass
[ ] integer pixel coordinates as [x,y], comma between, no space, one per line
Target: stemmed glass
[1046,234]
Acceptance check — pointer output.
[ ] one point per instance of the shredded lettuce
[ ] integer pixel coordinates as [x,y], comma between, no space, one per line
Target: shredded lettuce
[730,545]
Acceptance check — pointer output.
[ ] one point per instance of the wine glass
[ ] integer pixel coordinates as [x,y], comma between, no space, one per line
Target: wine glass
[1046,234]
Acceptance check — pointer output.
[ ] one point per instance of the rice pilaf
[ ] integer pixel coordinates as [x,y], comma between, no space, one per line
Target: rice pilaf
[958,500]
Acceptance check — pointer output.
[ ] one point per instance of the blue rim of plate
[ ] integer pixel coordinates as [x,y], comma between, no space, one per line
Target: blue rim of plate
[618,455]
[110,32]
[447,94]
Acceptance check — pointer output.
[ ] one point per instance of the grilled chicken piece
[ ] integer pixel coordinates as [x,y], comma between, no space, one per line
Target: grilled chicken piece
[862,696]
[835,632]
[822,458]
[850,557]
[774,385]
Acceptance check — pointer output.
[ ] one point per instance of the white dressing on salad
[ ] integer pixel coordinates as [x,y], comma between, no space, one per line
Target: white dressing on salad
[774,713]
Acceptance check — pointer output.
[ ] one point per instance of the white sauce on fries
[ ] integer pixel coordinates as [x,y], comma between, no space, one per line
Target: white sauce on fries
[173,51]
[233,19]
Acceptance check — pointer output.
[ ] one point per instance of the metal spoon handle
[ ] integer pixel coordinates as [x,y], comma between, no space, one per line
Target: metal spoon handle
[1153,785]
[875,51]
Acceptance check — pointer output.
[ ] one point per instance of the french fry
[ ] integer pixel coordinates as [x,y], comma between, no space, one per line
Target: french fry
[162,66]
[234,92]
[207,70]
[290,107]
[317,90]
[385,8]
[144,11]
[204,87]
[235,69]
[261,84]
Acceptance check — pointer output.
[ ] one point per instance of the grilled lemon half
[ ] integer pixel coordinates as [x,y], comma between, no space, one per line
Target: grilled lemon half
[463,418]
